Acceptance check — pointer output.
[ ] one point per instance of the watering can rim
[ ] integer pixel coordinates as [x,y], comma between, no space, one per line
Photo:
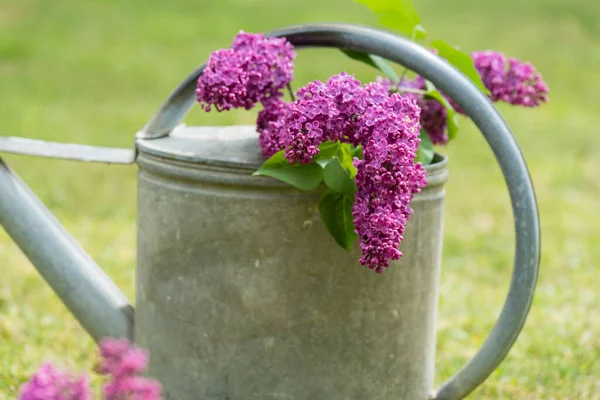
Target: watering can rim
[231,149]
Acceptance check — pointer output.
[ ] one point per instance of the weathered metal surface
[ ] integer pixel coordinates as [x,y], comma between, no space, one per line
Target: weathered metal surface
[101,308]
[498,135]
[209,145]
[242,293]
[66,151]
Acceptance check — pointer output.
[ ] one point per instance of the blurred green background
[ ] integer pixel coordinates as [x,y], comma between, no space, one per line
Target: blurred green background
[94,71]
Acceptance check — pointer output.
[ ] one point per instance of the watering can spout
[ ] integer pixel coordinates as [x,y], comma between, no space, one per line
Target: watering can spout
[98,304]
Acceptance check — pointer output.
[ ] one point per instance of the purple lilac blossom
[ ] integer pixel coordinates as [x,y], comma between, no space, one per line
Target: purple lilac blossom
[388,128]
[254,69]
[524,85]
[433,113]
[50,383]
[387,177]
[268,125]
[278,52]
[510,81]
[323,111]
[123,363]
[434,120]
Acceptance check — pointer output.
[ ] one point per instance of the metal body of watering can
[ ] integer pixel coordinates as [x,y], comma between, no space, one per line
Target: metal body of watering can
[241,278]
[241,293]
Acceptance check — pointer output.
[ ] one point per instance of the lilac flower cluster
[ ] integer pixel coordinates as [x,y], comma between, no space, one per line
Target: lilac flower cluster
[120,361]
[268,125]
[387,177]
[123,363]
[433,113]
[323,111]
[387,126]
[50,383]
[254,69]
[511,81]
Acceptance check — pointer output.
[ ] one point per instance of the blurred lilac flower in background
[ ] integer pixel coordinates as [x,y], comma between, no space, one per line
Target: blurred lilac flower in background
[508,80]
[513,81]
[120,361]
[51,383]
[123,363]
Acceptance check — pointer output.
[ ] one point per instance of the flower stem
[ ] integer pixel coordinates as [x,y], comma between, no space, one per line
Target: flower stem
[289,88]
[403,75]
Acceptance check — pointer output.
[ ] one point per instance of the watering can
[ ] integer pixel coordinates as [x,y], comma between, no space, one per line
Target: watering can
[240,291]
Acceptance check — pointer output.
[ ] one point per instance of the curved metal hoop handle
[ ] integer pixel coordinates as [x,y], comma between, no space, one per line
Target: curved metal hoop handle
[498,135]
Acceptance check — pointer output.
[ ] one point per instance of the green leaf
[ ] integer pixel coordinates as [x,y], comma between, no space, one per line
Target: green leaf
[451,114]
[461,60]
[374,61]
[345,156]
[336,213]
[303,176]
[327,152]
[331,151]
[322,162]
[385,67]
[419,32]
[338,178]
[452,123]
[425,151]
[356,151]
[400,15]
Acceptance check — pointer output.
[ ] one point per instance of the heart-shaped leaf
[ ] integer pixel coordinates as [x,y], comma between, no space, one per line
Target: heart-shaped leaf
[338,178]
[336,214]
[303,176]
[327,152]
[425,151]
[346,158]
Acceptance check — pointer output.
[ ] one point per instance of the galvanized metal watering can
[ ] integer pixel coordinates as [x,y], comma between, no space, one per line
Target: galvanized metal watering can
[241,293]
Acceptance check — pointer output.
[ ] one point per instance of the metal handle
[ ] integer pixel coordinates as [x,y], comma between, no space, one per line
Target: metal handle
[66,151]
[488,120]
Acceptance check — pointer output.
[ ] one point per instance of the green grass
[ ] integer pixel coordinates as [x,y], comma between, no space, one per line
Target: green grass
[93,72]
